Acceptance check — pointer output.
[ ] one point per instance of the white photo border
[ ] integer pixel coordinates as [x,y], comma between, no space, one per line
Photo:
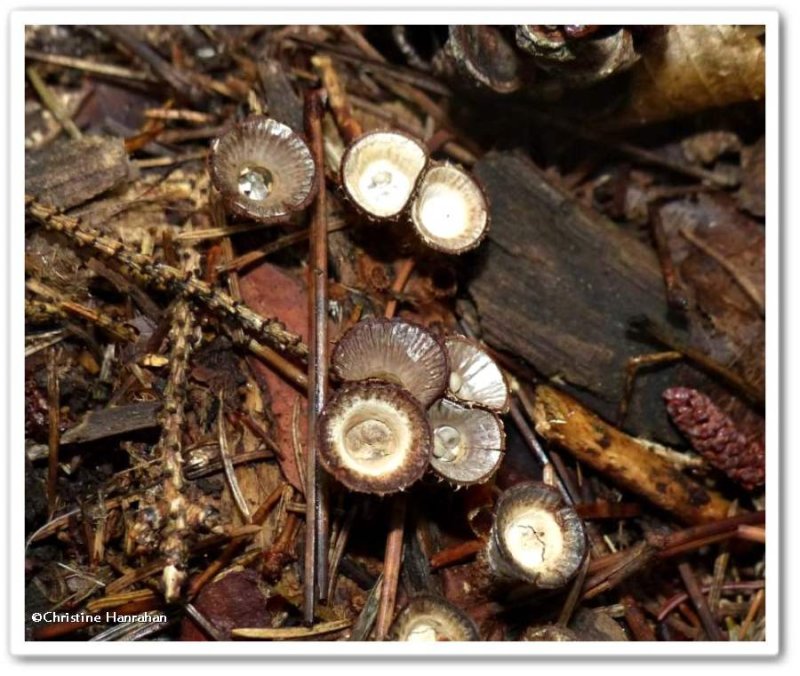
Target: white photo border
[324,15]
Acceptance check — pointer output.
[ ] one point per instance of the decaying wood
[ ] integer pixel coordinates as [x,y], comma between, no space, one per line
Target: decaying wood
[560,419]
[68,173]
[558,286]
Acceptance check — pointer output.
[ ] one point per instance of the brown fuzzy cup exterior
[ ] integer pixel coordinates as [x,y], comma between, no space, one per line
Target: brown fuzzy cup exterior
[374,438]
[432,618]
[395,350]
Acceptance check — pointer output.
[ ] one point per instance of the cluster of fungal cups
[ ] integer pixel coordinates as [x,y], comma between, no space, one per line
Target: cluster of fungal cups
[266,172]
[389,176]
[410,402]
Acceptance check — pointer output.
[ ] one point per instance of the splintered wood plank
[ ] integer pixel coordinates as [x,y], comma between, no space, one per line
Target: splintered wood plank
[558,285]
[112,421]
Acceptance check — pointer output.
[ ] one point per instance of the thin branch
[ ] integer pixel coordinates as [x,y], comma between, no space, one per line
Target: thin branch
[87,66]
[230,474]
[400,281]
[271,330]
[52,103]
[54,435]
[316,545]
[391,567]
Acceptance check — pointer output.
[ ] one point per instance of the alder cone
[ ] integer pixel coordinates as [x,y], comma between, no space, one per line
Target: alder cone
[715,436]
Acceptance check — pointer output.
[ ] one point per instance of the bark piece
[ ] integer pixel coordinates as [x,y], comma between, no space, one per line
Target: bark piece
[282,103]
[72,172]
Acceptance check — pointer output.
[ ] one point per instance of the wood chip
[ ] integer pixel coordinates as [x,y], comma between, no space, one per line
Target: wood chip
[109,422]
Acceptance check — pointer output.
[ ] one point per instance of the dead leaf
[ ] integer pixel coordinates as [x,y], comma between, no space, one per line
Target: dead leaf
[234,600]
[273,292]
[751,194]
[686,69]
[724,321]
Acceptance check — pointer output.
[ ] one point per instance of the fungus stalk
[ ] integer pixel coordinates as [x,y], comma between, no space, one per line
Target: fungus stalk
[393,557]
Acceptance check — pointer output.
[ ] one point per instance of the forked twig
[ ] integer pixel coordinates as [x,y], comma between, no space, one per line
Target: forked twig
[188,285]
